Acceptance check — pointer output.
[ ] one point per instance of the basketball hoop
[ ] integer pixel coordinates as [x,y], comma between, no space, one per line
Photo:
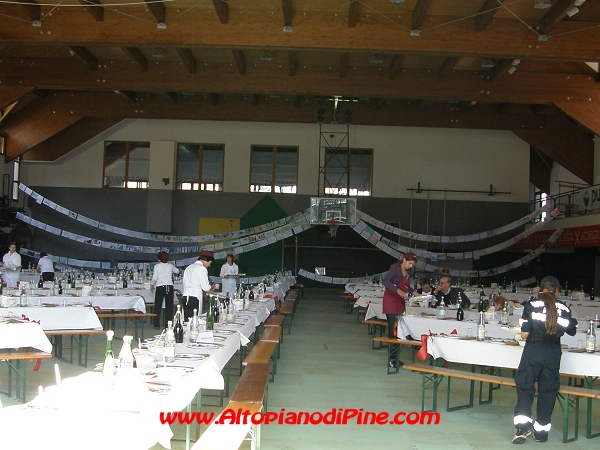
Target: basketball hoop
[333,226]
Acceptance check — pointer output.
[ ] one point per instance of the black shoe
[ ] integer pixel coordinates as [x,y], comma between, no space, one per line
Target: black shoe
[392,364]
[410,338]
[520,436]
[540,437]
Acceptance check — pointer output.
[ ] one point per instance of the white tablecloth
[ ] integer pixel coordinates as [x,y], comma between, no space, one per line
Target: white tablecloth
[21,334]
[58,318]
[105,301]
[508,356]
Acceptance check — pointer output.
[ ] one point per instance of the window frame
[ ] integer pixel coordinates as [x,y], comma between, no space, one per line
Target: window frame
[348,172]
[126,181]
[200,183]
[274,184]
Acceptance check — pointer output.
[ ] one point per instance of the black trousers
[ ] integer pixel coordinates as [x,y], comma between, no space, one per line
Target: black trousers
[48,276]
[391,320]
[167,293]
[540,362]
[189,304]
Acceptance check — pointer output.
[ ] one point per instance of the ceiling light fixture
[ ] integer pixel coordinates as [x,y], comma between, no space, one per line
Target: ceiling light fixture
[542,4]
[578,2]
[397,1]
[158,53]
[512,69]
[377,58]
[266,55]
[571,12]
[487,63]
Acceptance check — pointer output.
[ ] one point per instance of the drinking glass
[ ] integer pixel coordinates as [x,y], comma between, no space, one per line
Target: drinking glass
[470,332]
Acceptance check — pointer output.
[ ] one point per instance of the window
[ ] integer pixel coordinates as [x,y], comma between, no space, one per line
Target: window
[348,172]
[200,167]
[274,169]
[539,200]
[126,164]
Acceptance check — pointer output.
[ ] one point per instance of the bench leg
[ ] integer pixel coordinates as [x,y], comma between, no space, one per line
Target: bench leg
[466,405]
[588,424]
[567,404]
[491,387]
[396,369]
[430,381]
[20,368]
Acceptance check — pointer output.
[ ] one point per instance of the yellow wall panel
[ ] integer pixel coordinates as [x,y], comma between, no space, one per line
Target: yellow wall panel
[217,226]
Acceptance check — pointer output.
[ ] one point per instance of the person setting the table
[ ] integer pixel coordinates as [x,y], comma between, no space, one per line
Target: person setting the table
[162,279]
[543,322]
[228,275]
[45,266]
[397,290]
[195,283]
[12,262]
[449,294]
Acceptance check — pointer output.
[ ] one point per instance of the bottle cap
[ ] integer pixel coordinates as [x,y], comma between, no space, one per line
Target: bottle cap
[110,334]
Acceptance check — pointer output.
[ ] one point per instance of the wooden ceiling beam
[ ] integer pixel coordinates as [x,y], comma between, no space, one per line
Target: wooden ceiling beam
[500,69]
[419,13]
[286,5]
[318,34]
[584,112]
[554,15]
[173,96]
[158,10]
[214,99]
[129,95]
[255,100]
[11,94]
[486,13]
[521,87]
[68,139]
[240,61]
[291,63]
[343,65]
[448,66]
[297,100]
[83,54]
[539,173]
[138,58]
[32,8]
[188,59]
[395,66]
[95,8]
[353,13]
[222,10]
[565,143]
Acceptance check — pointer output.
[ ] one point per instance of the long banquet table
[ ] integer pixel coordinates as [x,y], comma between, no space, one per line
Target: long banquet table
[57,318]
[107,300]
[17,333]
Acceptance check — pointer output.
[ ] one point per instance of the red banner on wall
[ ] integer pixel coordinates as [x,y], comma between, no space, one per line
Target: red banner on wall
[576,237]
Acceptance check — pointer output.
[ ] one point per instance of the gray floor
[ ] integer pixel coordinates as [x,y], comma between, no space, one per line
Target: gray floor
[327,362]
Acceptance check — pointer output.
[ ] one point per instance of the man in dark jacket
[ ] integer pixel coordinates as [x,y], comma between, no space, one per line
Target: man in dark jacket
[449,294]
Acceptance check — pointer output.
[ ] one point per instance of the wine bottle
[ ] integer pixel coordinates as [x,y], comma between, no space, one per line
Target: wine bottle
[251,295]
[460,314]
[23,298]
[590,338]
[591,294]
[210,314]
[108,370]
[194,327]
[481,296]
[41,282]
[481,328]
[169,350]
[178,331]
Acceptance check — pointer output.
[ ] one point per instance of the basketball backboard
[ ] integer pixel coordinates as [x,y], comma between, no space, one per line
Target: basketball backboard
[323,210]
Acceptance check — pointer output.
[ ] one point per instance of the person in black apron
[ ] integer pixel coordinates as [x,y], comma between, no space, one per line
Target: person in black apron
[544,321]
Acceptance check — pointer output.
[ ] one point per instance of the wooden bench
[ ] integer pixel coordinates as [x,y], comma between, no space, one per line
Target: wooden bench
[376,326]
[273,334]
[433,375]
[287,310]
[108,318]
[275,320]
[400,343]
[348,302]
[79,337]
[262,353]
[230,436]
[17,362]
[253,385]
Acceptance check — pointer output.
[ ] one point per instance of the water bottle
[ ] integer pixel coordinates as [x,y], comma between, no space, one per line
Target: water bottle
[194,327]
[590,338]
[126,356]
[169,350]
[442,310]
[481,328]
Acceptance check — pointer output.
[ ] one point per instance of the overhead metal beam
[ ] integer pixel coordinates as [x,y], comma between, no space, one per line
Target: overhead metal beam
[287,12]
[419,13]
[32,8]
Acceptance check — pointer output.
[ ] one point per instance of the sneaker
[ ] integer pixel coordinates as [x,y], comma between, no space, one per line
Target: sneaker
[540,437]
[520,436]
[393,364]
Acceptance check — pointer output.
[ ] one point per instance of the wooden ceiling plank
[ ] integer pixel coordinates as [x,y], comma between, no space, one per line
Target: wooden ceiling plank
[136,55]
[95,8]
[554,15]
[297,100]
[173,96]
[419,13]
[343,65]
[486,13]
[83,54]
[287,12]
[291,63]
[395,66]
[539,173]
[32,8]
[353,13]
[158,10]
[129,95]
[214,98]
[11,94]
[500,69]
[68,139]
[255,100]
[584,112]
[222,10]
[448,66]
[187,57]
[240,61]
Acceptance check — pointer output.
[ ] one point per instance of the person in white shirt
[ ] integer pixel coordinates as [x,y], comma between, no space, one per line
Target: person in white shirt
[46,267]
[162,286]
[12,263]
[229,272]
[195,283]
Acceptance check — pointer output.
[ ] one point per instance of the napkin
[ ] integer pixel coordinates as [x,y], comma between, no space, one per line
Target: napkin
[454,331]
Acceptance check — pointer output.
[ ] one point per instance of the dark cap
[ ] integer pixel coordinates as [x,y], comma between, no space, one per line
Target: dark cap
[550,283]
[163,257]
[410,256]
[207,255]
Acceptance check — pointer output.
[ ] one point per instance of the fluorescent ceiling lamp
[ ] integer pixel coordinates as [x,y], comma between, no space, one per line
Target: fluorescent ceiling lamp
[512,69]
[401,1]
[571,12]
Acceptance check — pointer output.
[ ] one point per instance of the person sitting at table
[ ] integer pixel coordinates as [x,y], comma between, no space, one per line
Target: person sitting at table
[12,262]
[162,286]
[397,290]
[544,321]
[195,283]
[449,294]
[45,266]
[426,288]
[500,301]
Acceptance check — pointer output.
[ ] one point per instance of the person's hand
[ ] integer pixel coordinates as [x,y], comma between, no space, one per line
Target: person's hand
[416,294]
[152,288]
[213,286]
[227,276]
[401,293]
